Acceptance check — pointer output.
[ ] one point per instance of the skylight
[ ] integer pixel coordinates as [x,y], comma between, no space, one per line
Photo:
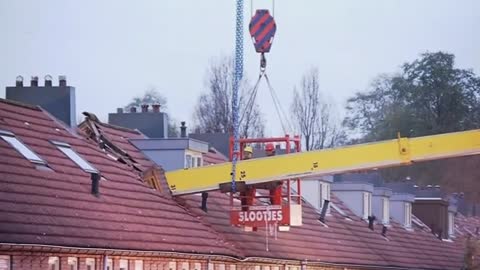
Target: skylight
[20,147]
[68,151]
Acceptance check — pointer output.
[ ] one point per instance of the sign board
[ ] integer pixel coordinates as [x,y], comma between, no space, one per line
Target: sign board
[261,216]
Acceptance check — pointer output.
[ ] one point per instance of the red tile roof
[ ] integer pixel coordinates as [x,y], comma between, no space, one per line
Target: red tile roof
[213,157]
[57,208]
[343,240]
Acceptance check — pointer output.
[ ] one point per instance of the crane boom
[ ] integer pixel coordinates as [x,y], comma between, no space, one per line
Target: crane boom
[401,151]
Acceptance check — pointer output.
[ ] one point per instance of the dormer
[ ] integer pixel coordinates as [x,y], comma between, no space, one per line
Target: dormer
[357,196]
[381,204]
[316,190]
[401,208]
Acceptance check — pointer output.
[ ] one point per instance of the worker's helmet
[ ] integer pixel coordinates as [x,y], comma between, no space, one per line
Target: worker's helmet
[269,147]
[248,149]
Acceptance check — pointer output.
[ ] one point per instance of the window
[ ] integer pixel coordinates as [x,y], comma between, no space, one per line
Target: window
[20,147]
[199,162]
[138,265]
[172,266]
[367,204]
[109,264]
[123,264]
[197,266]
[90,263]
[221,267]
[53,263]
[386,211]
[68,151]
[188,161]
[266,267]
[233,267]
[451,224]
[324,195]
[185,266]
[4,262]
[408,215]
[72,263]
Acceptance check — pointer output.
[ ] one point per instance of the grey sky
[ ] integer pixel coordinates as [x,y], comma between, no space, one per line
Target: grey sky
[113,50]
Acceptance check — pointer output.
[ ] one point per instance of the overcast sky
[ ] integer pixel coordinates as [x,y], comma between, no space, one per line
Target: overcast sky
[114,50]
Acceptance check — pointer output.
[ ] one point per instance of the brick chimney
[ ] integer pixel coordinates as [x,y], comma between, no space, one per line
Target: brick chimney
[144,108]
[156,108]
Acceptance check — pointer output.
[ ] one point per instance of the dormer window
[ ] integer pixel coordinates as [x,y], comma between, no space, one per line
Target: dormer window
[385,211]
[324,194]
[69,152]
[20,147]
[451,224]
[408,215]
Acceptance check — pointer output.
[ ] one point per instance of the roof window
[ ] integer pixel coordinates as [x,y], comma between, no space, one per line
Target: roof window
[20,147]
[81,162]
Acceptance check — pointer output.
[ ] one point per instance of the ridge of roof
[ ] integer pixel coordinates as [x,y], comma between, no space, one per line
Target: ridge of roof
[20,104]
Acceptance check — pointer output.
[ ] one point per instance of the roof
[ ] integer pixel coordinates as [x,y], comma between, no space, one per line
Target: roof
[213,157]
[219,141]
[344,240]
[56,207]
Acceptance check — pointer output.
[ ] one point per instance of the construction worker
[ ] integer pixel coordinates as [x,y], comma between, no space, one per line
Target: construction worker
[247,152]
[270,149]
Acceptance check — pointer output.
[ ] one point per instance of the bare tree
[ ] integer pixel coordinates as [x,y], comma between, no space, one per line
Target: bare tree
[213,112]
[314,115]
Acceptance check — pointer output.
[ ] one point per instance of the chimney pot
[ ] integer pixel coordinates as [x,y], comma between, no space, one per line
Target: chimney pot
[133,109]
[384,231]
[371,219]
[95,177]
[62,80]
[34,81]
[19,81]
[324,210]
[183,130]
[48,80]
[144,107]
[156,108]
[119,110]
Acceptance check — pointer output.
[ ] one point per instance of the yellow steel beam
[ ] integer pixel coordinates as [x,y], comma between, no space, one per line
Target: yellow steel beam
[401,151]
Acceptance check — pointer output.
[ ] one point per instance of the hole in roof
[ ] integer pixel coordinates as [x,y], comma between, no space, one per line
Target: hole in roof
[75,157]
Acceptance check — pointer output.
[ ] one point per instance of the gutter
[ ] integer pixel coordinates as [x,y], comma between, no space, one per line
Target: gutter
[105,252]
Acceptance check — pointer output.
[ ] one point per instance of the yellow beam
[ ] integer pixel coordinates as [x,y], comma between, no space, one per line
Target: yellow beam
[390,153]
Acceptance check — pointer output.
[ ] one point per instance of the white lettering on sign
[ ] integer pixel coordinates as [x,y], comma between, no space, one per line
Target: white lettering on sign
[251,216]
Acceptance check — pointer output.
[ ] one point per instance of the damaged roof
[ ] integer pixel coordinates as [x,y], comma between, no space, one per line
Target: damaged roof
[52,204]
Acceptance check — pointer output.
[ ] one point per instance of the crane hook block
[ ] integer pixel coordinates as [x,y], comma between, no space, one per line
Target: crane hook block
[262,29]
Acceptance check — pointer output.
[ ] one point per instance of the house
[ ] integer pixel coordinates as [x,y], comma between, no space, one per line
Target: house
[87,198]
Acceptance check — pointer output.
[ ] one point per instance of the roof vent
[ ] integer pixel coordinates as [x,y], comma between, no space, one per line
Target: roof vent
[48,80]
[204,201]
[19,81]
[371,219]
[62,80]
[34,81]
[324,210]
[156,108]
[144,107]
[384,231]
[95,184]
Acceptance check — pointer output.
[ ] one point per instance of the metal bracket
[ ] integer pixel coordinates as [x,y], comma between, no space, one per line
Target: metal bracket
[404,149]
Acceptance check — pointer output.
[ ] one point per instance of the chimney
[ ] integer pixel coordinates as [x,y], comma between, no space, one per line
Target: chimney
[48,80]
[62,80]
[119,110]
[144,108]
[204,201]
[34,81]
[133,109]
[57,101]
[156,108]
[433,210]
[183,130]
[95,177]
[19,81]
